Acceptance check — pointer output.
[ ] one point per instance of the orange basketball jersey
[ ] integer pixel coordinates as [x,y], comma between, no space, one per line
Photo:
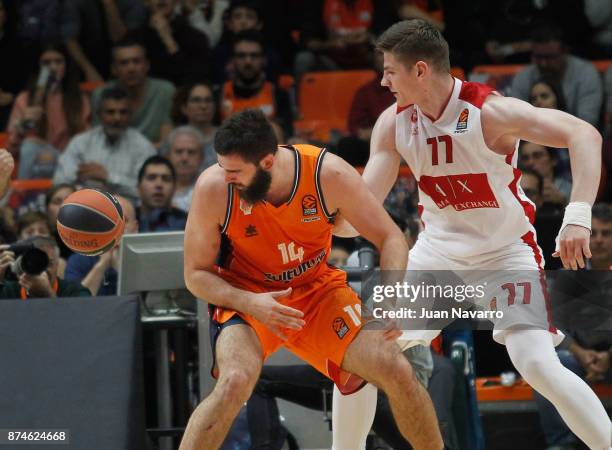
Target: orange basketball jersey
[279,246]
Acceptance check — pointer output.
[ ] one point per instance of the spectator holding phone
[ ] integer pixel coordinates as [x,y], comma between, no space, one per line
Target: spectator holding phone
[47,115]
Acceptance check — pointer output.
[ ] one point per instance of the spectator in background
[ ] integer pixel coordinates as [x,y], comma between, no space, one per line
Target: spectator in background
[194,105]
[178,52]
[599,14]
[46,116]
[36,223]
[99,273]
[150,99]
[33,223]
[242,15]
[206,16]
[90,27]
[548,94]
[185,154]
[422,9]
[585,351]
[156,185]
[368,103]
[47,284]
[7,165]
[249,88]
[109,154]
[555,189]
[338,34]
[11,50]
[580,81]
[53,201]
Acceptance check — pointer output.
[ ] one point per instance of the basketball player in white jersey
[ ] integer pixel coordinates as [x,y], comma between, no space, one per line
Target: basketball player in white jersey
[460,140]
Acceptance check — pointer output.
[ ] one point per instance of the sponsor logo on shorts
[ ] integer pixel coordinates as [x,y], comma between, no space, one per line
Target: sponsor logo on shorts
[340,327]
[250,231]
[309,205]
[463,120]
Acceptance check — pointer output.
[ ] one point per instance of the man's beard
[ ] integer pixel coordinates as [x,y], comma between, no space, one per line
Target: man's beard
[258,188]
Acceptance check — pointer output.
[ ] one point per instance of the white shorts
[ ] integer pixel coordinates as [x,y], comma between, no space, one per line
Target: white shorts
[512,281]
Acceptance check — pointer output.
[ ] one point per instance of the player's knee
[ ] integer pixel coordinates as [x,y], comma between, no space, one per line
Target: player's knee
[532,368]
[237,383]
[395,373]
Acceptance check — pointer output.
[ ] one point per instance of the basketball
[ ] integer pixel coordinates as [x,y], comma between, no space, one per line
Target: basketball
[90,221]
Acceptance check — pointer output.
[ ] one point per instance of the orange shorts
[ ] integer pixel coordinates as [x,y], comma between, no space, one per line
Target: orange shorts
[332,312]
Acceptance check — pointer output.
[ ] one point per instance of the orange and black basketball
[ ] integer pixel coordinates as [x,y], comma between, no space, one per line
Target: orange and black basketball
[90,221]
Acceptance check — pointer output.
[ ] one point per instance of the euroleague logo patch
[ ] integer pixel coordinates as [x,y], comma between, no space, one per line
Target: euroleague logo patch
[309,205]
[463,119]
[340,327]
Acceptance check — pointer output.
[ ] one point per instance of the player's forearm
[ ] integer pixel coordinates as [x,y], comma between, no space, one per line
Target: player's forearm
[393,252]
[585,159]
[215,290]
[380,174]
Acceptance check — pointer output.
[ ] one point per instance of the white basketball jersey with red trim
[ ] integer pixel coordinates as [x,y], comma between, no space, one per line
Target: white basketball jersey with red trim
[470,200]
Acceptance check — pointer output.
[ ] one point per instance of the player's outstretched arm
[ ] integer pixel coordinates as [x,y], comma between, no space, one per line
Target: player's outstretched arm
[202,243]
[506,119]
[345,192]
[382,168]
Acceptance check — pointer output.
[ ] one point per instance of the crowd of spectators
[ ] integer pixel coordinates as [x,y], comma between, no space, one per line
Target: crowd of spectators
[127,95]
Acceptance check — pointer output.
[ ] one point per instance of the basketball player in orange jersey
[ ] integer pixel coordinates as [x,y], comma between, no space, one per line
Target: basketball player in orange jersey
[256,246]
[460,140]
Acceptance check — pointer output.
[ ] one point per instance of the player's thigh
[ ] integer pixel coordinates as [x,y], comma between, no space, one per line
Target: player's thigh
[238,351]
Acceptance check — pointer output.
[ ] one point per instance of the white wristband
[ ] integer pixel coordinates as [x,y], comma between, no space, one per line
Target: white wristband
[576,213]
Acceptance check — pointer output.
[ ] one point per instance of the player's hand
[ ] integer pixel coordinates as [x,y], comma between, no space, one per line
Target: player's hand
[6,259]
[37,285]
[573,246]
[92,171]
[276,316]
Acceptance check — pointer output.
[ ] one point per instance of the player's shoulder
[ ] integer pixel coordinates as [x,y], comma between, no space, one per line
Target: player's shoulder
[383,134]
[211,186]
[335,172]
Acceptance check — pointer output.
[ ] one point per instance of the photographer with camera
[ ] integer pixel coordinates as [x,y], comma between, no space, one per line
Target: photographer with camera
[28,269]
[47,114]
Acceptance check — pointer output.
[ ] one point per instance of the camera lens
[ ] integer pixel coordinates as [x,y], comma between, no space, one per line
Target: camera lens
[34,261]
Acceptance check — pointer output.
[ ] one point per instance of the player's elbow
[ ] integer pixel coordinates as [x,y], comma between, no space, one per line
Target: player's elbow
[585,132]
